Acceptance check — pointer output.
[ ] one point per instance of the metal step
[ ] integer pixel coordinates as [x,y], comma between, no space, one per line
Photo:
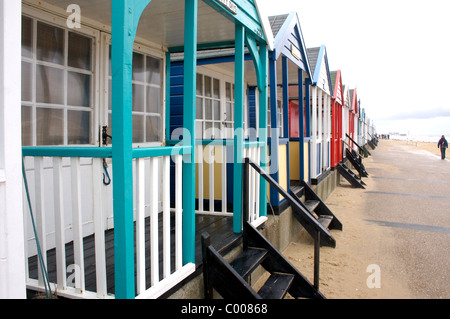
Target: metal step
[277,286]
[248,260]
[349,175]
[325,220]
[312,205]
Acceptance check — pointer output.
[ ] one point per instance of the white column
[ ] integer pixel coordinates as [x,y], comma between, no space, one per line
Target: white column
[12,257]
[314,132]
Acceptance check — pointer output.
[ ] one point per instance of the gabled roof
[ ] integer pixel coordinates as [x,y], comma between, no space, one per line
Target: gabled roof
[337,86]
[353,101]
[289,41]
[318,60]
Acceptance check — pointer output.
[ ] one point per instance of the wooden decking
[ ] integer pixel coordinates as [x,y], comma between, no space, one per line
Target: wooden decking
[220,229]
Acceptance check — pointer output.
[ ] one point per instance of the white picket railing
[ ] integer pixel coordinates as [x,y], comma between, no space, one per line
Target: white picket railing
[206,155]
[254,186]
[59,208]
[215,157]
[70,202]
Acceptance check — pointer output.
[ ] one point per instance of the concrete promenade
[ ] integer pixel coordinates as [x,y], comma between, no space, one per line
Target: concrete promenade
[409,194]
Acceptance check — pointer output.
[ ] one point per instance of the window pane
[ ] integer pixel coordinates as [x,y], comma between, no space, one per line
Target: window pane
[208,110]
[230,112]
[208,130]
[153,129]
[199,107]
[217,110]
[208,86]
[216,89]
[78,89]
[49,127]
[50,43]
[138,129]
[228,91]
[138,97]
[217,132]
[79,55]
[49,85]
[27,37]
[198,129]
[153,100]
[153,71]
[138,67]
[27,126]
[79,127]
[27,82]
[199,84]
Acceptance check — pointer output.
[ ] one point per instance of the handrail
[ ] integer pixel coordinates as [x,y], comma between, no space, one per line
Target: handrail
[54,151]
[360,148]
[308,219]
[103,152]
[230,142]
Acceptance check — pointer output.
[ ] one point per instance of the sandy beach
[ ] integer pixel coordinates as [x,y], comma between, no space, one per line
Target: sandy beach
[344,270]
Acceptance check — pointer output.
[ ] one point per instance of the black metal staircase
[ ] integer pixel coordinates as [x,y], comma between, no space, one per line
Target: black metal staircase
[351,177]
[357,163]
[230,279]
[317,208]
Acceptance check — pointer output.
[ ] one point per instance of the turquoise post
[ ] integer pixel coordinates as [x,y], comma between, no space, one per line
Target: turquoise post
[190,83]
[125,18]
[238,128]
[263,98]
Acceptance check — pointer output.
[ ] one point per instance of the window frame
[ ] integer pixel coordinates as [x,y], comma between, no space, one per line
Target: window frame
[224,79]
[144,50]
[47,18]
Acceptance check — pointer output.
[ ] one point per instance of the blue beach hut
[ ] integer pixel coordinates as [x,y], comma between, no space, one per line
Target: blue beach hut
[289,121]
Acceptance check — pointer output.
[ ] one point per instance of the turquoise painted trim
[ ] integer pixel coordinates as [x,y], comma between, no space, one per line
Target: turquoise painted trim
[238,129]
[246,16]
[106,152]
[161,151]
[167,98]
[247,143]
[205,46]
[189,101]
[90,152]
[263,108]
[253,48]
[125,19]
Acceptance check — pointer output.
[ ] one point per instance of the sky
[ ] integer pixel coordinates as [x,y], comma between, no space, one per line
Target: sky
[396,54]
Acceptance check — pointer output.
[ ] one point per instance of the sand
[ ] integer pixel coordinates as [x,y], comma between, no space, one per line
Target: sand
[345,270]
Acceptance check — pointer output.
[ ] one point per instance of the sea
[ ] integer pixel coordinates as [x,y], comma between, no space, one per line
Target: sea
[415,138]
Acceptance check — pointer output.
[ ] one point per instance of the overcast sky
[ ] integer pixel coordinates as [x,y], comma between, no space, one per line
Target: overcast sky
[396,53]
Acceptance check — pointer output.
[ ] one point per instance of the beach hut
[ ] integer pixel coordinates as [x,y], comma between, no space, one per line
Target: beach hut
[96,125]
[337,117]
[320,112]
[289,133]
[353,119]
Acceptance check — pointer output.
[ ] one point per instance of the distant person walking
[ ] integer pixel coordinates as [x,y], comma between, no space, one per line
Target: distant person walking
[443,145]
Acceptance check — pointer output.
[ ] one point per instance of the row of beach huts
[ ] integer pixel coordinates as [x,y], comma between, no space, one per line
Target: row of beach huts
[146,143]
